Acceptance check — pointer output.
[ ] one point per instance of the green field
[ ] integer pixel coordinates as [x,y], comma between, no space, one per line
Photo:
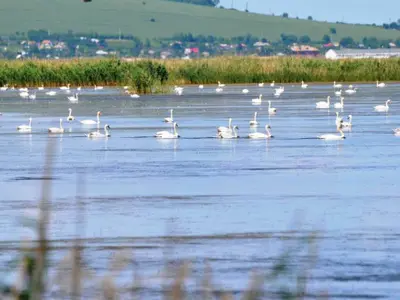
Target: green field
[133,17]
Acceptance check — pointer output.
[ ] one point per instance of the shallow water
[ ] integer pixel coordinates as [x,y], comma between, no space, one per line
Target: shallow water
[239,200]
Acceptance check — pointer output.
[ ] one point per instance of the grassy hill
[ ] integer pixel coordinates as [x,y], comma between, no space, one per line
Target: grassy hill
[133,17]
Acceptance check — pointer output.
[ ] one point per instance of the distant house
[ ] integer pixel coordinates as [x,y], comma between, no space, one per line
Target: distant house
[101,52]
[46,44]
[60,46]
[362,53]
[261,44]
[304,50]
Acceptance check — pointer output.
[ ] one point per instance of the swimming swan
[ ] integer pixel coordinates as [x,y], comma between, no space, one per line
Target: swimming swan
[383,108]
[339,104]
[260,135]
[271,110]
[25,128]
[333,137]
[229,135]
[323,104]
[337,85]
[168,134]
[97,134]
[349,123]
[70,116]
[257,100]
[57,129]
[254,121]
[92,122]
[304,85]
[74,98]
[223,128]
[380,85]
[171,118]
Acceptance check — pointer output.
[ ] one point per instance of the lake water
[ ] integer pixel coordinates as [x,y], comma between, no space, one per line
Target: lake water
[243,202]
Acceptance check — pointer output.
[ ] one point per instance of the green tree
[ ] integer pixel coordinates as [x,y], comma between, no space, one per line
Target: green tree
[310,18]
[347,42]
[326,39]
[285,15]
[332,30]
[305,39]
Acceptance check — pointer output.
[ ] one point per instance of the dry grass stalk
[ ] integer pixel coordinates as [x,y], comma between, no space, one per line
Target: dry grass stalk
[177,291]
[38,280]
[255,289]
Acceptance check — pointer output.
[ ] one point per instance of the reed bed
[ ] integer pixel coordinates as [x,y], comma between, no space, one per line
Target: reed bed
[150,76]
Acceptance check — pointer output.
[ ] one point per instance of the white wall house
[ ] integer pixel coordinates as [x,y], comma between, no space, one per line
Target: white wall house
[362,53]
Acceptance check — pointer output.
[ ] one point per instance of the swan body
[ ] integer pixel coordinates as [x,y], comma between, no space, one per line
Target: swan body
[304,85]
[4,88]
[261,84]
[338,93]
[337,85]
[254,122]
[65,88]
[70,116]
[92,122]
[41,88]
[279,91]
[78,88]
[338,120]
[32,96]
[271,110]
[351,91]
[323,104]
[223,128]
[383,108]
[170,119]
[24,94]
[339,104]
[97,134]
[178,90]
[245,91]
[23,89]
[333,137]
[57,129]
[219,89]
[380,85]
[257,100]
[220,84]
[74,98]
[134,96]
[51,93]
[396,131]
[201,86]
[168,134]
[272,84]
[25,128]
[97,87]
[229,134]
[260,135]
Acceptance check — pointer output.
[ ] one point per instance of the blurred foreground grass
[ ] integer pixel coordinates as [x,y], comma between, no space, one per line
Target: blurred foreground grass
[71,278]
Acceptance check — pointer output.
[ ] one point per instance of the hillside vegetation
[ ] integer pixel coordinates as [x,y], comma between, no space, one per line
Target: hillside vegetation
[135,17]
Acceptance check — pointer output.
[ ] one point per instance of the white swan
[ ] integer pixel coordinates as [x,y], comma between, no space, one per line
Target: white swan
[168,134]
[23,89]
[323,104]
[349,123]
[126,87]
[41,88]
[97,134]
[304,85]
[333,137]
[254,122]
[380,85]
[396,131]
[261,84]
[57,129]
[339,120]
[170,119]
[271,110]
[219,89]
[339,104]
[337,85]
[338,93]
[260,135]
[78,88]
[279,91]
[223,128]
[351,90]
[134,96]
[97,87]
[70,116]
[92,122]
[32,96]
[257,100]
[383,108]
[65,88]
[74,98]
[24,94]
[178,90]
[221,85]
[201,87]
[51,93]
[25,128]
[4,88]
[272,84]
[229,134]
[245,91]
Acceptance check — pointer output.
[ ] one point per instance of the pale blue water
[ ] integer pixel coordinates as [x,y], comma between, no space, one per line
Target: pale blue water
[135,184]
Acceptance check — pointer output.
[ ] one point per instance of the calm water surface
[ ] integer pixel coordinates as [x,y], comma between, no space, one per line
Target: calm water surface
[237,199]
